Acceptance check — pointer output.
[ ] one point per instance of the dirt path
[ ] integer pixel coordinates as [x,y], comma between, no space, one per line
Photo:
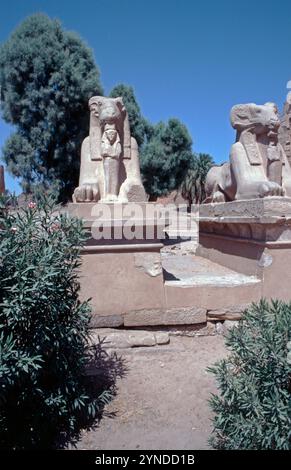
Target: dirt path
[162,400]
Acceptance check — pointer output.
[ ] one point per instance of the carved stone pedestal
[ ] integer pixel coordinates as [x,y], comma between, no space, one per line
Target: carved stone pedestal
[252,237]
[121,262]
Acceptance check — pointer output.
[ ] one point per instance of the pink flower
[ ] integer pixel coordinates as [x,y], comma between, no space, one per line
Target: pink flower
[54,227]
[13,229]
[32,205]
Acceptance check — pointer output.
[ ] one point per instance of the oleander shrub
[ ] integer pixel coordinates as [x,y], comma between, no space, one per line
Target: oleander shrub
[253,408]
[46,394]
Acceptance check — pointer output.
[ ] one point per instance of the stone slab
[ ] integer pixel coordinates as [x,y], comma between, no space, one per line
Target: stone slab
[118,283]
[265,210]
[111,321]
[233,313]
[123,339]
[212,297]
[175,316]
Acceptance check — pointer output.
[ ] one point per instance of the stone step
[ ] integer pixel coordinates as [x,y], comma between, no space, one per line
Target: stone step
[195,291]
[190,270]
[123,339]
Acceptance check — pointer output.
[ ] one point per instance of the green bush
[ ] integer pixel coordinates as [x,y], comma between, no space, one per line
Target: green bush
[253,410]
[45,393]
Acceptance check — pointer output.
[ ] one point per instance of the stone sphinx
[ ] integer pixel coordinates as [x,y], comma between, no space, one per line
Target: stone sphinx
[109,169]
[258,166]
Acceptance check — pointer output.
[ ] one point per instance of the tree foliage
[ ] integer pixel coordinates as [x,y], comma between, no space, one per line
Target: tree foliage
[47,76]
[253,410]
[45,394]
[166,157]
[193,185]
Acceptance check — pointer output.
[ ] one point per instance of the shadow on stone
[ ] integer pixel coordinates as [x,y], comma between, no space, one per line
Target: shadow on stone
[169,276]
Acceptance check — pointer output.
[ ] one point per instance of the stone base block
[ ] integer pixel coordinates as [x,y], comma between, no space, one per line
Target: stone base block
[123,339]
[174,316]
[128,287]
[252,237]
[119,282]
[121,268]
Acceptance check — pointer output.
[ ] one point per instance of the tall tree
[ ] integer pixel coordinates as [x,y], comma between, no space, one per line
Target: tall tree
[166,157]
[140,128]
[193,186]
[47,76]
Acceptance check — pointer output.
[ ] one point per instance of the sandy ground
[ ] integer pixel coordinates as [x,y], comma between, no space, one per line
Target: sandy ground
[162,401]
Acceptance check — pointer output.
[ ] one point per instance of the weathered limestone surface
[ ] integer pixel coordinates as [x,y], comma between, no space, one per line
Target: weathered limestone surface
[258,166]
[110,169]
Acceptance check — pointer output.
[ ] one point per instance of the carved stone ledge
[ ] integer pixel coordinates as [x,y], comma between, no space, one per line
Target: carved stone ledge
[259,220]
[266,210]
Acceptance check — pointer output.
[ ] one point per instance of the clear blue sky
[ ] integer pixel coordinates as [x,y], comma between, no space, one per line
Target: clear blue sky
[192,59]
